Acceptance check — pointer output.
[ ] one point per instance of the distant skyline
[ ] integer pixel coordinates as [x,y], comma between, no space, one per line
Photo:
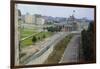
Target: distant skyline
[57,11]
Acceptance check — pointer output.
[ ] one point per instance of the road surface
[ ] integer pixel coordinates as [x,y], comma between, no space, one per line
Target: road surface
[71,54]
[48,43]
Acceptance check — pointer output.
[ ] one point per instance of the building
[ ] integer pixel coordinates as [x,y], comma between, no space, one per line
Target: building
[70,24]
[78,24]
[73,22]
[35,19]
[84,23]
[29,18]
[23,18]
[39,20]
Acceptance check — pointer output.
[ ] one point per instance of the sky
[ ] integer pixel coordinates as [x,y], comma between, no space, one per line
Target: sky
[57,11]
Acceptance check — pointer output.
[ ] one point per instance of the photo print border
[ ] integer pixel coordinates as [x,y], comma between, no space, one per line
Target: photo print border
[12,34]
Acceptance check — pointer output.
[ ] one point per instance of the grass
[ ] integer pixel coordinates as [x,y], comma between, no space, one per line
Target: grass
[26,42]
[47,34]
[39,36]
[58,51]
[26,32]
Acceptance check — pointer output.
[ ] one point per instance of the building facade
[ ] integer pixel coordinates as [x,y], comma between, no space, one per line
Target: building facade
[29,18]
[40,21]
[35,19]
[73,24]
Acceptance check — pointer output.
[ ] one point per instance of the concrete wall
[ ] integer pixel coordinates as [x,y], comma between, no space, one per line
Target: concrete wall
[42,58]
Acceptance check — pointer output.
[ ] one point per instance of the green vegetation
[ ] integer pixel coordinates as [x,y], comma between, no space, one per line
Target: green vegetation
[54,29]
[88,43]
[34,39]
[38,37]
[44,36]
[26,42]
[58,51]
[26,32]
[49,23]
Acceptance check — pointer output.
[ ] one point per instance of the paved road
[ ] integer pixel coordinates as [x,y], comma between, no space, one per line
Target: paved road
[71,53]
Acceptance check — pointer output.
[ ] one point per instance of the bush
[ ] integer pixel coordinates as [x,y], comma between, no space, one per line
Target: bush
[34,39]
[44,36]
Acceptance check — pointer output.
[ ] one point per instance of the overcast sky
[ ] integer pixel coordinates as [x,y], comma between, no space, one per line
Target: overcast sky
[57,11]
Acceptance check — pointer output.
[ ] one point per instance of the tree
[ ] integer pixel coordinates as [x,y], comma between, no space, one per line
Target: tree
[90,27]
[39,37]
[44,36]
[88,43]
[34,39]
